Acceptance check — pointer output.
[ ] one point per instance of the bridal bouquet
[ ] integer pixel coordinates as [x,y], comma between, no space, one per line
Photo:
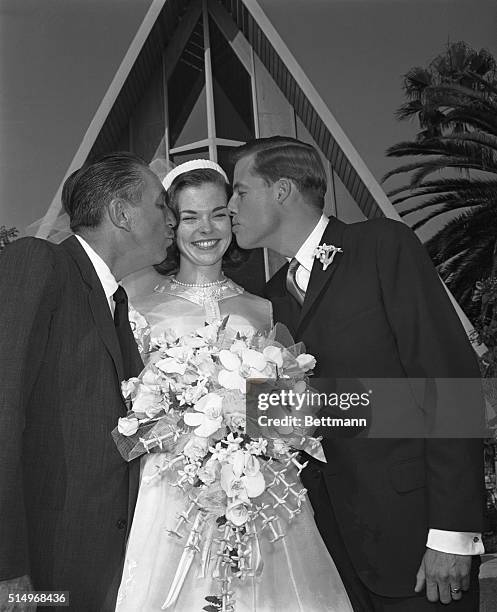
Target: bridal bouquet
[190,404]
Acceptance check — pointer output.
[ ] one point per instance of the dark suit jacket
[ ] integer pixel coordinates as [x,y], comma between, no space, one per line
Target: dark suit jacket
[66,495]
[380,311]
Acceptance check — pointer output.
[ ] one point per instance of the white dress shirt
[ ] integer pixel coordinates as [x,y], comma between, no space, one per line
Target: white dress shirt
[458,543]
[105,276]
[305,255]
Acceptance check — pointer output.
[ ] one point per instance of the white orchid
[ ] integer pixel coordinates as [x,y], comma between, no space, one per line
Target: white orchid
[170,336]
[242,364]
[242,477]
[203,363]
[194,342]
[209,332]
[208,415]
[180,353]
[169,365]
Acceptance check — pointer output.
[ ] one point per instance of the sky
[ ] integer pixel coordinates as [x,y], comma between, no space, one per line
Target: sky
[59,56]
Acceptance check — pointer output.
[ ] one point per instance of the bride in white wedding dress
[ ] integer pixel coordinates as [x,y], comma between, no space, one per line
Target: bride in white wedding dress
[298,574]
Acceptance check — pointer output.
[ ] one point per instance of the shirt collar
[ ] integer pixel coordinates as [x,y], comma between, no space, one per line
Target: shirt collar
[305,255]
[104,274]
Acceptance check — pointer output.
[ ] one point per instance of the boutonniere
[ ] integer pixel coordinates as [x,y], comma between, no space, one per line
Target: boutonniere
[326,254]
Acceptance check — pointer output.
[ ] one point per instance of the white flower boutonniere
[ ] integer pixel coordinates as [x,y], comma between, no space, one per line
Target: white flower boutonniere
[326,254]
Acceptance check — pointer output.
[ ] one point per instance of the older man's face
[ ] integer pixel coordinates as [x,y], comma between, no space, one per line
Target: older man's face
[152,231]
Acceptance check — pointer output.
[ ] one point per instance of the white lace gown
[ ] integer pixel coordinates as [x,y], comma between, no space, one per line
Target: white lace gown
[298,574]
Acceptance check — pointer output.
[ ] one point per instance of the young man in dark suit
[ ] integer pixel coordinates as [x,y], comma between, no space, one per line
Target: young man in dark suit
[66,495]
[401,517]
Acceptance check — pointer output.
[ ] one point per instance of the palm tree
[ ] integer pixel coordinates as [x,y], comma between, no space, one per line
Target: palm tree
[455,103]
[7,236]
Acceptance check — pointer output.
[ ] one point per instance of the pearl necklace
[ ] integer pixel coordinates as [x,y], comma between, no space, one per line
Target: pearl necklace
[200,285]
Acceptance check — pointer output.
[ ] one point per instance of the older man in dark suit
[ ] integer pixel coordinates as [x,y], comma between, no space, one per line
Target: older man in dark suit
[66,495]
[401,517]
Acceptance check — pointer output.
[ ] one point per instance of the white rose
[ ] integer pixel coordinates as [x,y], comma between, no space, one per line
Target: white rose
[129,386]
[147,401]
[237,512]
[306,361]
[208,473]
[127,427]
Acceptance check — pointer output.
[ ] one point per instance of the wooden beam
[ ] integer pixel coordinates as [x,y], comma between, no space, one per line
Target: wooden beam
[209,86]
[191,146]
[165,109]
[231,33]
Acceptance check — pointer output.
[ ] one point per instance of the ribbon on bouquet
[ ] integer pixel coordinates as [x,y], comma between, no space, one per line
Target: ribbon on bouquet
[245,542]
[227,550]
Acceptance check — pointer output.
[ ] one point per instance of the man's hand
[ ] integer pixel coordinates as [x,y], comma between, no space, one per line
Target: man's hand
[15,585]
[446,575]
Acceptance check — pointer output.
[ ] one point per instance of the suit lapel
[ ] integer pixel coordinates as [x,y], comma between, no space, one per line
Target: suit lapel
[320,278]
[98,302]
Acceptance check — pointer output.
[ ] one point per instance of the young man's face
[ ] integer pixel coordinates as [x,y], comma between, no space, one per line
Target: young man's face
[253,207]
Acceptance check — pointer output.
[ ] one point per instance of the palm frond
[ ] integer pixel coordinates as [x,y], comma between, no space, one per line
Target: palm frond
[475,188]
[473,117]
[480,138]
[426,147]
[448,206]
[460,233]
[428,168]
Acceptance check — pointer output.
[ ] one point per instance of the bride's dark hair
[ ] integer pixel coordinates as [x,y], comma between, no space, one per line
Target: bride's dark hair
[234,255]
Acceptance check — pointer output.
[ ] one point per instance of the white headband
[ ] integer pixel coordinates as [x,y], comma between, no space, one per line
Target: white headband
[193,164]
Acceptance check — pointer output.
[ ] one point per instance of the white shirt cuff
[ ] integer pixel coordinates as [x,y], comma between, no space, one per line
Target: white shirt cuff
[455,542]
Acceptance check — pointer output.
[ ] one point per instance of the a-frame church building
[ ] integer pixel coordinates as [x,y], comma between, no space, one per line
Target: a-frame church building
[202,77]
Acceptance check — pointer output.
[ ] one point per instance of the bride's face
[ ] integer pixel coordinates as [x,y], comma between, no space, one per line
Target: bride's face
[204,226]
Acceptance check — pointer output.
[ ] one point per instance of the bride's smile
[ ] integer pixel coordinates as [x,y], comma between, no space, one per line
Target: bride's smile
[205,245]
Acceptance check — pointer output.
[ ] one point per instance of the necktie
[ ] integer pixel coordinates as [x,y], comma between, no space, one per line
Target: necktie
[127,343]
[291,282]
